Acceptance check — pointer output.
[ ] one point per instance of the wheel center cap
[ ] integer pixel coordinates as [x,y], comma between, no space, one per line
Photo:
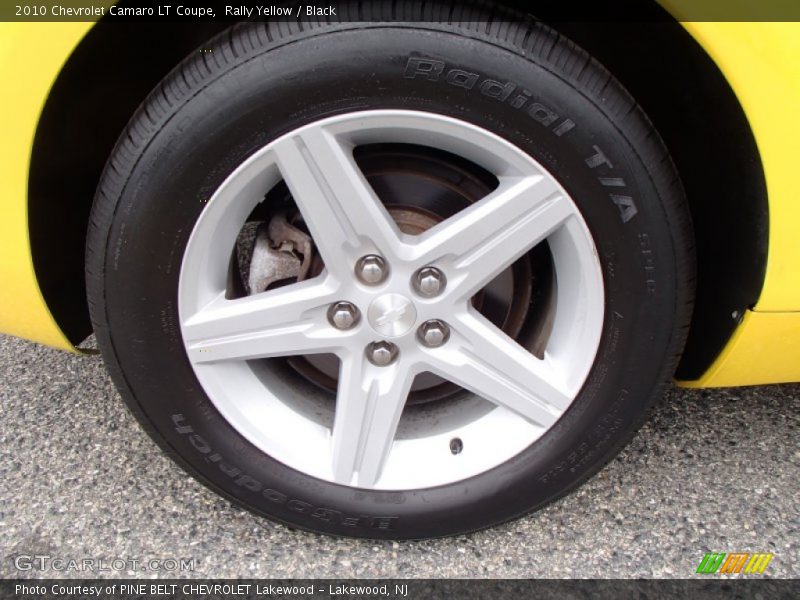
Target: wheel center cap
[392,315]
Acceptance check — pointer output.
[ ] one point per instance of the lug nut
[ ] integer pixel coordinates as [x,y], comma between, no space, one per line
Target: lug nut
[429,282]
[433,333]
[371,269]
[343,315]
[382,353]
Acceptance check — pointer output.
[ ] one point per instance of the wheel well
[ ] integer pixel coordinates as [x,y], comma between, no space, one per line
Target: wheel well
[105,79]
[678,85]
[702,123]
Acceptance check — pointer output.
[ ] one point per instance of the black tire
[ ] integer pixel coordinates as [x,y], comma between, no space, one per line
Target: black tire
[262,80]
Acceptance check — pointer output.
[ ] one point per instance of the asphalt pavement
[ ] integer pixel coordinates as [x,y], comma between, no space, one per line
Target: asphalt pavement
[714,470]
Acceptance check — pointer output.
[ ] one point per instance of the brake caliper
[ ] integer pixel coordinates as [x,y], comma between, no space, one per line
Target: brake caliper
[278,252]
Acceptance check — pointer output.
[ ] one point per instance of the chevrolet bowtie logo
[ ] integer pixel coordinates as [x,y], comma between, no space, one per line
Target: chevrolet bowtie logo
[392,315]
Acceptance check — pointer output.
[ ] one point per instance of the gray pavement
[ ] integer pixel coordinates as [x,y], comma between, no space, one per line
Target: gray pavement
[715,470]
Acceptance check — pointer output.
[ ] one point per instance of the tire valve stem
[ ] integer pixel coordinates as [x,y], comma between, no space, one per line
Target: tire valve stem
[456,445]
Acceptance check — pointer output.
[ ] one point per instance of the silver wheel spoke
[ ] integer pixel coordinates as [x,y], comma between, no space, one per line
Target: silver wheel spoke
[489,363]
[369,403]
[282,322]
[482,240]
[342,212]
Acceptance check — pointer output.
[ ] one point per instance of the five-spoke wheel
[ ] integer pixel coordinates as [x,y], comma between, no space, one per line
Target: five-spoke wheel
[391,306]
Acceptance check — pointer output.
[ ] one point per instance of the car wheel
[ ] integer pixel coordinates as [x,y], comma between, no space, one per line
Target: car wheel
[391,280]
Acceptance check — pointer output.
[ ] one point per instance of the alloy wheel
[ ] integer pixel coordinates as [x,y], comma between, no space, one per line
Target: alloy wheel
[390,306]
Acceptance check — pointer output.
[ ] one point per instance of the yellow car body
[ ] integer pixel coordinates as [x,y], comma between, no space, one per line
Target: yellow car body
[758,59]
